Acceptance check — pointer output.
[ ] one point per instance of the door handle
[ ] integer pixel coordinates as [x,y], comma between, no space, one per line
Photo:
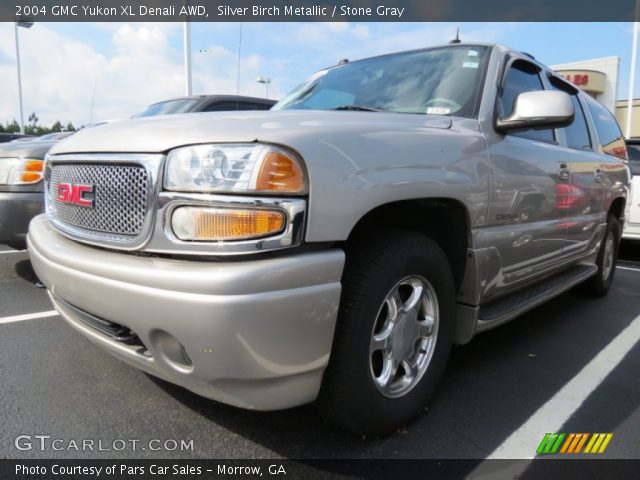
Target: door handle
[563,172]
[597,175]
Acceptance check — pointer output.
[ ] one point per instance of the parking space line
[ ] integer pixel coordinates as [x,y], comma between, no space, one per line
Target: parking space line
[628,268]
[523,442]
[12,251]
[28,316]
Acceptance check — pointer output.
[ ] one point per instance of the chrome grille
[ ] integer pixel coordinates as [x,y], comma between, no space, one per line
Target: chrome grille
[121,197]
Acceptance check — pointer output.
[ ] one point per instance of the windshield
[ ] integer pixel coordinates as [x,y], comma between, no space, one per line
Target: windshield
[440,81]
[170,106]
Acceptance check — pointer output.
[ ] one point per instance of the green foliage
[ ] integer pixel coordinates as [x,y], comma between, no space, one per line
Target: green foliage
[10,127]
[32,127]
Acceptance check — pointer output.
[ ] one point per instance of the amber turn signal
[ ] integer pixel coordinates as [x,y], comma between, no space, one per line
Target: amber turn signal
[31,171]
[280,173]
[206,224]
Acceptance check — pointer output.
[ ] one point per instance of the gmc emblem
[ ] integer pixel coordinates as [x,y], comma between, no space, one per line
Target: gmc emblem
[80,195]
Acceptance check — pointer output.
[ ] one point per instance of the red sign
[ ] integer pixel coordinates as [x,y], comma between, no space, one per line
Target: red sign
[579,79]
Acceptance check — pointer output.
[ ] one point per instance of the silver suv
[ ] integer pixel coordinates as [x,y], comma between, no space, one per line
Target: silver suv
[333,249]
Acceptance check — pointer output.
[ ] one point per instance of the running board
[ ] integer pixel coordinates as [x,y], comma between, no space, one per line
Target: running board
[511,306]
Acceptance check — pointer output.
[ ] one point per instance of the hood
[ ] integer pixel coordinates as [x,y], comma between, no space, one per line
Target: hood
[26,149]
[162,133]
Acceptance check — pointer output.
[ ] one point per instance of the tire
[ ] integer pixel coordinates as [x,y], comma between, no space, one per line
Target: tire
[358,391]
[599,284]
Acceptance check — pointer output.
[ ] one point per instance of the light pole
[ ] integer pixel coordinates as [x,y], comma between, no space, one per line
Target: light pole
[632,80]
[632,73]
[187,56]
[266,81]
[23,25]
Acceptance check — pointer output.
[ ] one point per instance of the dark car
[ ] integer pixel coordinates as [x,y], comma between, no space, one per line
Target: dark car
[21,171]
[206,103]
[7,137]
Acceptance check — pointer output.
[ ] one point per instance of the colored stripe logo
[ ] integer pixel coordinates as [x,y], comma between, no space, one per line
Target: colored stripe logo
[553,443]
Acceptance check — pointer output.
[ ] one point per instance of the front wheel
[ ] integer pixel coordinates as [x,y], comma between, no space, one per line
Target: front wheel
[393,335]
[599,284]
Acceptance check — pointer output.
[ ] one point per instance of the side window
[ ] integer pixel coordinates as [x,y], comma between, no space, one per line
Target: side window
[634,158]
[577,133]
[523,77]
[609,133]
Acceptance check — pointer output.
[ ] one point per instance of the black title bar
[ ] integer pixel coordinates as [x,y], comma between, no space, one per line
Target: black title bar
[317,11]
[279,469]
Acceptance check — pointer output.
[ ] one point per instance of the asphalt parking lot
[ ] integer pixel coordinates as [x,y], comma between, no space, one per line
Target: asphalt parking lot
[571,365]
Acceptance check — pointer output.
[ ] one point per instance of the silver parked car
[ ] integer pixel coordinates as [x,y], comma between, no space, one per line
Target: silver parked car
[335,247]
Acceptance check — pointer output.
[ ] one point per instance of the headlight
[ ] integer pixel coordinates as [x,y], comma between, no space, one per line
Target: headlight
[20,171]
[234,168]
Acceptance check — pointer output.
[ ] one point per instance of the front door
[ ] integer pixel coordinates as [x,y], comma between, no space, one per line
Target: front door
[525,225]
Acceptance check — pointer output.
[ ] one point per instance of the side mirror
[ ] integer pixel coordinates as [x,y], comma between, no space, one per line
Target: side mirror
[538,109]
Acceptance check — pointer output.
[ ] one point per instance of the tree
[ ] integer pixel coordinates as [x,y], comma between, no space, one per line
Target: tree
[12,127]
[32,128]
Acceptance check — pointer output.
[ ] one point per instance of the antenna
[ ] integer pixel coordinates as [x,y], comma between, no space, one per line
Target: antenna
[457,39]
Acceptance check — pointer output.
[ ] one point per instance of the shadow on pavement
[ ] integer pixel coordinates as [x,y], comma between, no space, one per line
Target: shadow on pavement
[24,270]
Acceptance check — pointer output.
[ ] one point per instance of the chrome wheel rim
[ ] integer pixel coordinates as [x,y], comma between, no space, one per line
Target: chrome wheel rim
[404,336]
[607,261]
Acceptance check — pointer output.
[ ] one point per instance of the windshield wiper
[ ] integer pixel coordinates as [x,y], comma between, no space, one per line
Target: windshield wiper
[358,108]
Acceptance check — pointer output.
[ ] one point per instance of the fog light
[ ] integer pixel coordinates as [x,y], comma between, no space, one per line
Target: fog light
[214,224]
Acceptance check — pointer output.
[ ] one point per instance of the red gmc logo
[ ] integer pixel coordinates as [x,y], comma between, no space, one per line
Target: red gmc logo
[81,195]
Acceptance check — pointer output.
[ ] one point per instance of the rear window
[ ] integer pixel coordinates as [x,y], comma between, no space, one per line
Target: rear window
[609,133]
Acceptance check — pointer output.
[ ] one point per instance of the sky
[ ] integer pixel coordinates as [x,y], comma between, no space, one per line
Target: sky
[84,72]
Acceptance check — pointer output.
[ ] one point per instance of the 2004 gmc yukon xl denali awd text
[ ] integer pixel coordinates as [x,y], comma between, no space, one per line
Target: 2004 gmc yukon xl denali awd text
[334,248]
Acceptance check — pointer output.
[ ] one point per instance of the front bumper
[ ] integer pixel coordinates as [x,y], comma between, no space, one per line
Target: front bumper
[16,211]
[255,334]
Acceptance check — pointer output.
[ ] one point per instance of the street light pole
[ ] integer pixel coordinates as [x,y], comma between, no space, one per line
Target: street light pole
[187,56]
[632,73]
[266,81]
[23,25]
[632,80]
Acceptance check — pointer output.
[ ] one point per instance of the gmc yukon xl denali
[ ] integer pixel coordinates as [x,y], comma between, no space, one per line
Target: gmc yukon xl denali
[335,248]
